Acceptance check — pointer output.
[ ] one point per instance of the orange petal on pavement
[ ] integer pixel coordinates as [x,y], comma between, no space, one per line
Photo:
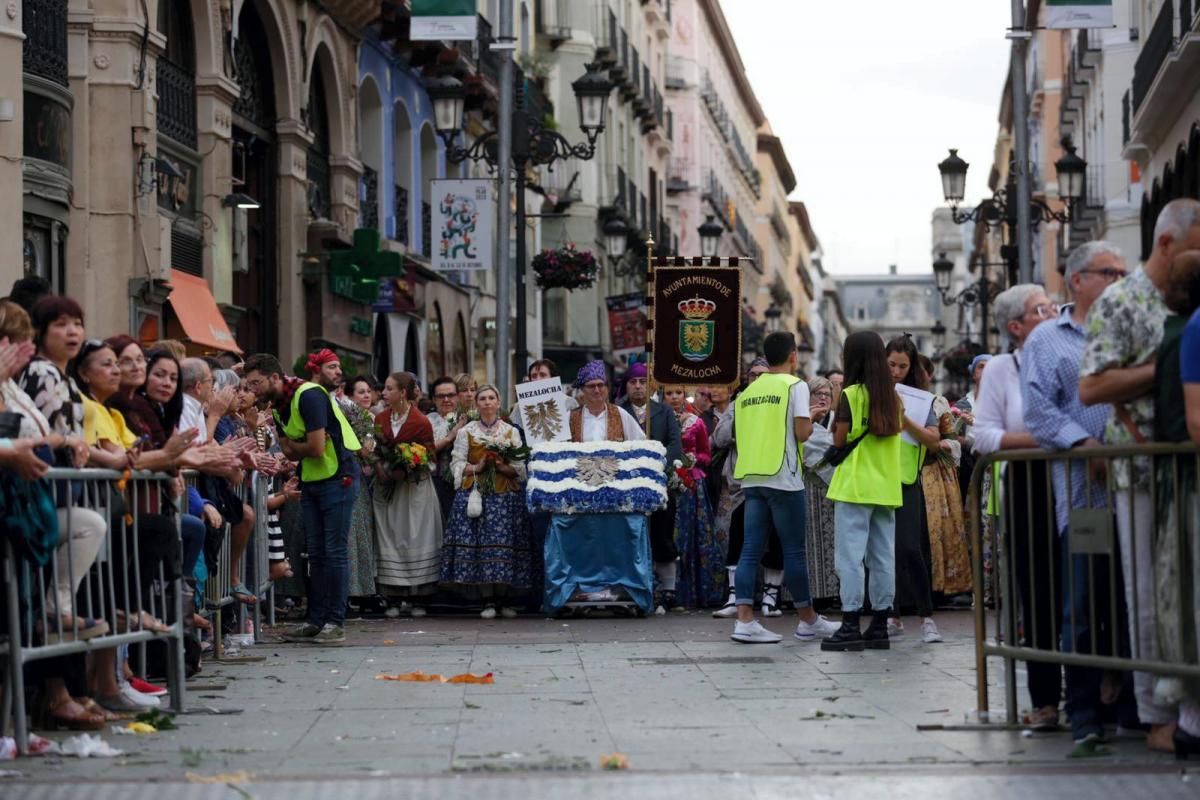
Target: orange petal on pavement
[468,677]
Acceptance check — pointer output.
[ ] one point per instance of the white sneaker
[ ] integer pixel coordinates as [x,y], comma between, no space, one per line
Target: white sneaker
[821,628]
[771,611]
[508,613]
[418,611]
[929,632]
[392,612]
[488,613]
[753,633]
[141,698]
[728,611]
[895,628]
[660,611]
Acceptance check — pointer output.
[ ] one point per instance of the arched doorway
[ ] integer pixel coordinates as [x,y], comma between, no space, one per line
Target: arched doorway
[320,191]
[429,171]
[412,351]
[459,361]
[435,343]
[256,279]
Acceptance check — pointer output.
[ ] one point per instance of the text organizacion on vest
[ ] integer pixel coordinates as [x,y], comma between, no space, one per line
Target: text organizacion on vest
[756,401]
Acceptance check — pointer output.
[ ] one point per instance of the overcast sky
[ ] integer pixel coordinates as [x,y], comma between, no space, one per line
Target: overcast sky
[867,97]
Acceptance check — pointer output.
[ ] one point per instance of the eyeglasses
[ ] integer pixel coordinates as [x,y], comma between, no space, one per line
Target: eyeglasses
[1044,310]
[1108,274]
[444,396]
[596,385]
[827,395]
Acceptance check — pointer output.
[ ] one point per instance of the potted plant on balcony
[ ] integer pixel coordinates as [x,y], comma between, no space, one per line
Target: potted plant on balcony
[565,268]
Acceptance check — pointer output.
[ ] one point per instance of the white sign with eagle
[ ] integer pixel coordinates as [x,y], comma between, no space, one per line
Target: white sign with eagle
[543,411]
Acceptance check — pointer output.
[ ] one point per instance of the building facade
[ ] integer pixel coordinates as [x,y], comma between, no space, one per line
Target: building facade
[892,304]
[1161,129]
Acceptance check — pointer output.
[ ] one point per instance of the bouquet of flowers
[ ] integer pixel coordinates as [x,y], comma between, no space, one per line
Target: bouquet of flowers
[454,416]
[363,424]
[485,482]
[409,459]
[680,478]
[565,267]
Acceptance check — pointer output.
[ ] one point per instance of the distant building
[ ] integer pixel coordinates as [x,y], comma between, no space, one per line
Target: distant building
[892,304]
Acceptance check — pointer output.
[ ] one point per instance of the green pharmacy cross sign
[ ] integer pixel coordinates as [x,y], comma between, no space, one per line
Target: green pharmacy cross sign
[355,273]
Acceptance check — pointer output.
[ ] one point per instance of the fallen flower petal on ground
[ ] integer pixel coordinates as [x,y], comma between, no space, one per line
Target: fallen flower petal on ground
[614,761]
[423,677]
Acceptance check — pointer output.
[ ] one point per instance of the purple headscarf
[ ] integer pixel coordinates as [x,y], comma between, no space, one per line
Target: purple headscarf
[637,370]
[591,371]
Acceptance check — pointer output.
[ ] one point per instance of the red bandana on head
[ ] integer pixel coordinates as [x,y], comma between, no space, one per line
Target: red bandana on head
[319,359]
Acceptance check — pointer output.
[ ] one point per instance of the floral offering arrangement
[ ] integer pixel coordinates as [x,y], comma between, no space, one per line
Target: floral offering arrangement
[411,460]
[597,478]
[454,416]
[363,424]
[485,482]
[681,477]
[565,268]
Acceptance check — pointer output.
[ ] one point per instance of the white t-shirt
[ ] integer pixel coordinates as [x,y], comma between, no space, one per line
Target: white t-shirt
[789,478]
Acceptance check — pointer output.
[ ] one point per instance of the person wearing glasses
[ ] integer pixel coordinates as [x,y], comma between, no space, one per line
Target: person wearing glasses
[598,420]
[1000,425]
[445,406]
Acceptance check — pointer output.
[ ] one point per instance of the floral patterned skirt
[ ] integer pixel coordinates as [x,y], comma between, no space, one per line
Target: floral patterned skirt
[822,576]
[950,557]
[362,544]
[493,548]
[701,578]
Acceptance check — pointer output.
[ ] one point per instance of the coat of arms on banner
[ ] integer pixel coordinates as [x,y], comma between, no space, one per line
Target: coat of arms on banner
[696,331]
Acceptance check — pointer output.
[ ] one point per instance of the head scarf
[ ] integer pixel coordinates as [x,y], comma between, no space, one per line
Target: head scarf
[320,358]
[982,358]
[637,370]
[591,371]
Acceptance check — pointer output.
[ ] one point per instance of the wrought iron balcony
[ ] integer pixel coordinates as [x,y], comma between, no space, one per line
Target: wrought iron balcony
[44,52]
[400,214]
[1158,46]
[427,228]
[176,110]
[368,199]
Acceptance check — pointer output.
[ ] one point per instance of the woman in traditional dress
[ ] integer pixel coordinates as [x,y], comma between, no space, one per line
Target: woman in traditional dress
[950,558]
[408,520]
[487,544]
[356,406]
[701,550]
[822,574]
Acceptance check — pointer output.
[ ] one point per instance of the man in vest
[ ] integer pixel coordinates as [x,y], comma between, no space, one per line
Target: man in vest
[771,422]
[313,431]
[598,420]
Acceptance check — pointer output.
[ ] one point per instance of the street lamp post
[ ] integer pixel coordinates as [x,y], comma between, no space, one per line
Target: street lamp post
[1002,207]
[980,293]
[533,144]
[710,236]
[773,313]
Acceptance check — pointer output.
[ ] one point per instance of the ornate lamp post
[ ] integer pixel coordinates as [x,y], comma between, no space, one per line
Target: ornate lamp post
[533,144]
[980,293]
[710,236]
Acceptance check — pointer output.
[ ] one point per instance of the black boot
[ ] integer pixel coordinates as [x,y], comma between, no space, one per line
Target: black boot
[846,637]
[875,637]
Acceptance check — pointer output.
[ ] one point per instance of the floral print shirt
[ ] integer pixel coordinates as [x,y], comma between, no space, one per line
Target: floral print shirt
[55,395]
[1124,328]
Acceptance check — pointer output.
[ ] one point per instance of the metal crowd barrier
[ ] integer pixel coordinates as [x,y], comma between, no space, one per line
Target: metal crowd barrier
[1087,602]
[35,595]
[254,570]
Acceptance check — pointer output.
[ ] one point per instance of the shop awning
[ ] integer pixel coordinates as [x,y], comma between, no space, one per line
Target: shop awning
[197,312]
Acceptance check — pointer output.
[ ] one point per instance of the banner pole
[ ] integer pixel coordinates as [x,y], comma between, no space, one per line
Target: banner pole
[649,328]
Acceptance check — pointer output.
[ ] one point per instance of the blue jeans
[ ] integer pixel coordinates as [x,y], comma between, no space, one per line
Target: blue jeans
[191,530]
[784,510]
[865,533]
[1086,586]
[326,508]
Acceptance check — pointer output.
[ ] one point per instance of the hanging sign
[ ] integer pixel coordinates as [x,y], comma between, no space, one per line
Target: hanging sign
[449,20]
[627,323]
[464,224]
[697,331]
[1079,14]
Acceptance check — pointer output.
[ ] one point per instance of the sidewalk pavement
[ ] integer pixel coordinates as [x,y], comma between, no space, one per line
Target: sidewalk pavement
[685,705]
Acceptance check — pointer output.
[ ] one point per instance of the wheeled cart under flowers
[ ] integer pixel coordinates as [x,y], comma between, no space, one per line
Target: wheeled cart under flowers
[599,496]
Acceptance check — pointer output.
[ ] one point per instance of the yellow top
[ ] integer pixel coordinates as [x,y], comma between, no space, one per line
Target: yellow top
[103,424]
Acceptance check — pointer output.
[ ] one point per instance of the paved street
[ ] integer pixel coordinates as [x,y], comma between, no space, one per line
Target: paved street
[689,708]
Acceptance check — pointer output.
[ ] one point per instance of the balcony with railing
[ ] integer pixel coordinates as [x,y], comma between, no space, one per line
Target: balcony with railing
[613,198]
[44,51]
[554,21]
[427,230]
[607,38]
[400,214]
[175,111]
[368,199]
[1159,44]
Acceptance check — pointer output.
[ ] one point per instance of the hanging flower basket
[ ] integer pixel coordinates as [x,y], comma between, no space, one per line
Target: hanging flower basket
[565,268]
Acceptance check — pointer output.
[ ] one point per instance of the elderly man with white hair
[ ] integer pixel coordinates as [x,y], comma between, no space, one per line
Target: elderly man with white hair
[1059,421]
[1000,425]
[1124,329]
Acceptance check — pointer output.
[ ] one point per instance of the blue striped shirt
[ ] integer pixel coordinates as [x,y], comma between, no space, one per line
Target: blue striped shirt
[1053,414]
